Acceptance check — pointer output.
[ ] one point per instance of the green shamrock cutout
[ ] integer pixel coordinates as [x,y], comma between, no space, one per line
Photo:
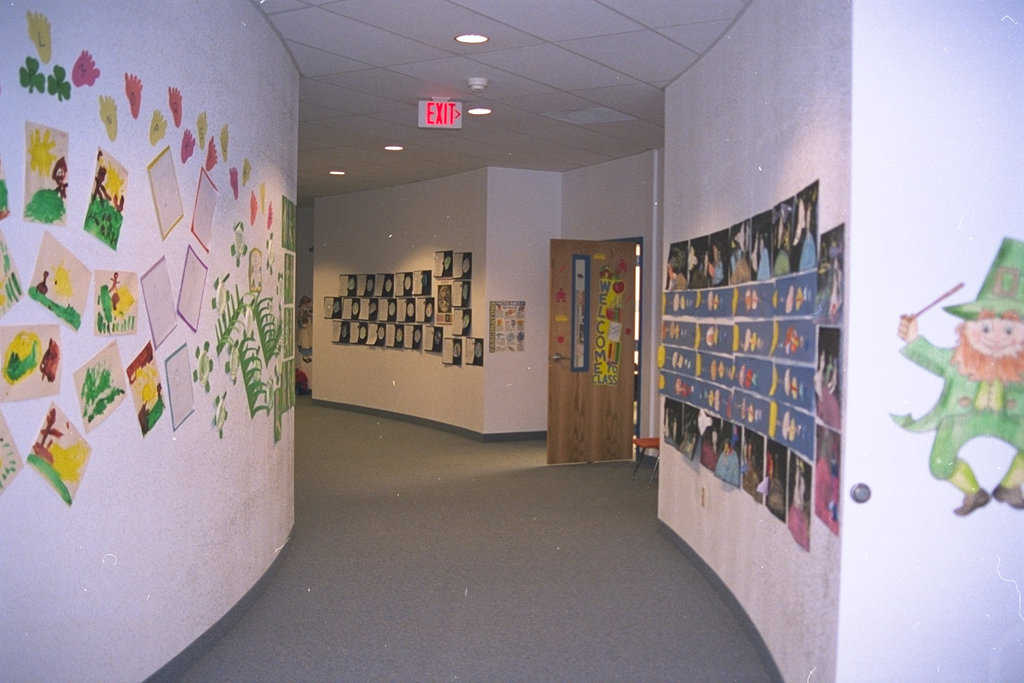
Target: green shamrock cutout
[30,76]
[204,367]
[56,85]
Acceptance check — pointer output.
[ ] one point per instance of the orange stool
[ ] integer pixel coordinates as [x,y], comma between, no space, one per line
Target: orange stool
[646,443]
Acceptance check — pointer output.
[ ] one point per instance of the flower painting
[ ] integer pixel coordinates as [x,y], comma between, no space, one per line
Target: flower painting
[46,174]
[144,379]
[60,454]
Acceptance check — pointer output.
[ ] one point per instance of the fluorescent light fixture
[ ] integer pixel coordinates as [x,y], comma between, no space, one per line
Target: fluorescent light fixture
[337,172]
[479,111]
[471,39]
[394,148]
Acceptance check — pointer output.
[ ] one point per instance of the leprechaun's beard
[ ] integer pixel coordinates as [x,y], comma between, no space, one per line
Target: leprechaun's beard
[991,348]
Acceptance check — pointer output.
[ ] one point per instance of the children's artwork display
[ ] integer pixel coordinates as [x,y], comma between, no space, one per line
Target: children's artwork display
[100,386]
[60,454]
[10,459]
[5,210]
[163,183]
[60,281]
[180,398]
[287,221]
[190,292]
[117,302]
[30,365]
[147,392]
[475,351]
[159,295]
[10,284]
[202,211]
[105,214]
[46,174]
[750,360]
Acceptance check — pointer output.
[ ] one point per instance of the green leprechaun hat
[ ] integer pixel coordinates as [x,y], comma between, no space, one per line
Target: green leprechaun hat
[1003,289]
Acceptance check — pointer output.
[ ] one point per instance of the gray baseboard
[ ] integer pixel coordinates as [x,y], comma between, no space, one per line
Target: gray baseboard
[730,600]
[175,669]
[444,426]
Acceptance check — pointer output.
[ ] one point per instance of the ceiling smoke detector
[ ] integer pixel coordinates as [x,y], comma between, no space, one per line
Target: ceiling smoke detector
[477,83]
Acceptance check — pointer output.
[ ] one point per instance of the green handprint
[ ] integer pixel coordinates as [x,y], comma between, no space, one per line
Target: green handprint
[30,76]
[56,85]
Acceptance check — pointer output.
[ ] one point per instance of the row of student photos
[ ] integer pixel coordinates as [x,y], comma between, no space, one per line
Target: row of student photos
[426,310]
[750,357]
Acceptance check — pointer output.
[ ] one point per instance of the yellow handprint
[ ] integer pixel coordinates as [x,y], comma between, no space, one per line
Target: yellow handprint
[201,128]
[157,127]
[39,34]
[224,142]
[108,115]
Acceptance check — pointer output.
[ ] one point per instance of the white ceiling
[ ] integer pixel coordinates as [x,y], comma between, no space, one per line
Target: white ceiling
[366,63]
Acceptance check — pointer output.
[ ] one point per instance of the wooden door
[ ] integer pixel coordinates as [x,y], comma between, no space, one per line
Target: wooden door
[590,351]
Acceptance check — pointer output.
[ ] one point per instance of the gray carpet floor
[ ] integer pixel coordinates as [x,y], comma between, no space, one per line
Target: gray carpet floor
[423,555]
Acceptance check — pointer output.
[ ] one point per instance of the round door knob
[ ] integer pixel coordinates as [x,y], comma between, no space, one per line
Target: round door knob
[860,493]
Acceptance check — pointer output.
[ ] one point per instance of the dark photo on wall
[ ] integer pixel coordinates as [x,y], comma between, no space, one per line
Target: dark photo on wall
[421,286]
[776,472]
[435,341]
[351,285]
[417,337]
[369,285]
[399,337]
[362,333]
[718,259]
[456,351]
[672,422]
[372,308]
[344,332]
[355,309]
[697,263]
[390,311]
[826,478]
[425,310]
[803,255]
[467,322]
[410,310]
[477,357]
[709,442]
[405,282]
[763,245]
[462,299]
[753,464]
[783,215]
[380,334]
[727,467]
[690,434]
[444,302]
[442,264]
[740,267]
[336,307]
[828,306]
[799,499]
[675,266]
[463,265]
[387,286]
[828,379]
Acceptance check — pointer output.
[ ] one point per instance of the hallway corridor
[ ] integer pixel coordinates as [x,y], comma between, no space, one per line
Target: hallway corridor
[419,554]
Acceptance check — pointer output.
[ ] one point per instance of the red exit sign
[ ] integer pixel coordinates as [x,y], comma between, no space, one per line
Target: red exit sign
[440,114]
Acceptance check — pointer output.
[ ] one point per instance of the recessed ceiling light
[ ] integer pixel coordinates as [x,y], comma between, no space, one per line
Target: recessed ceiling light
[471,39]
[394,148]
[337,172]
[479,111]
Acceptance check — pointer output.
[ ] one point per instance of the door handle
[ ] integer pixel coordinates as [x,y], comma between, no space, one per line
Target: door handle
[558,356]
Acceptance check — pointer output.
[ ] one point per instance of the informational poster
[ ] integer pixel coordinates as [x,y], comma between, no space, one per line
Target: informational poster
[507,326]
[608,327]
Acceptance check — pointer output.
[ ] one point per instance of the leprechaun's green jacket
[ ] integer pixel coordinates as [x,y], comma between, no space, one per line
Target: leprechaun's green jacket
[960,396]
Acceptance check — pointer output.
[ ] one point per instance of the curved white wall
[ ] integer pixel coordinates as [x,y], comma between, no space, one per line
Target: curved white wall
[765,113]
[169,530]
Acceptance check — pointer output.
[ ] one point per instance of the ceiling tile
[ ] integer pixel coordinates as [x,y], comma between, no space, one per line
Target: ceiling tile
[557,67]
[643,54]
[319,28]
[453,72]
[275,6]
[643,101]
[555,100]
[657,13]
[389,83]
[344,100]
[645,135]
[434,22]
[698,37]
[315,62]
[555,19]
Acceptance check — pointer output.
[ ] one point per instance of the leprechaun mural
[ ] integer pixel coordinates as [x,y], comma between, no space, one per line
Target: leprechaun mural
[983,394]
